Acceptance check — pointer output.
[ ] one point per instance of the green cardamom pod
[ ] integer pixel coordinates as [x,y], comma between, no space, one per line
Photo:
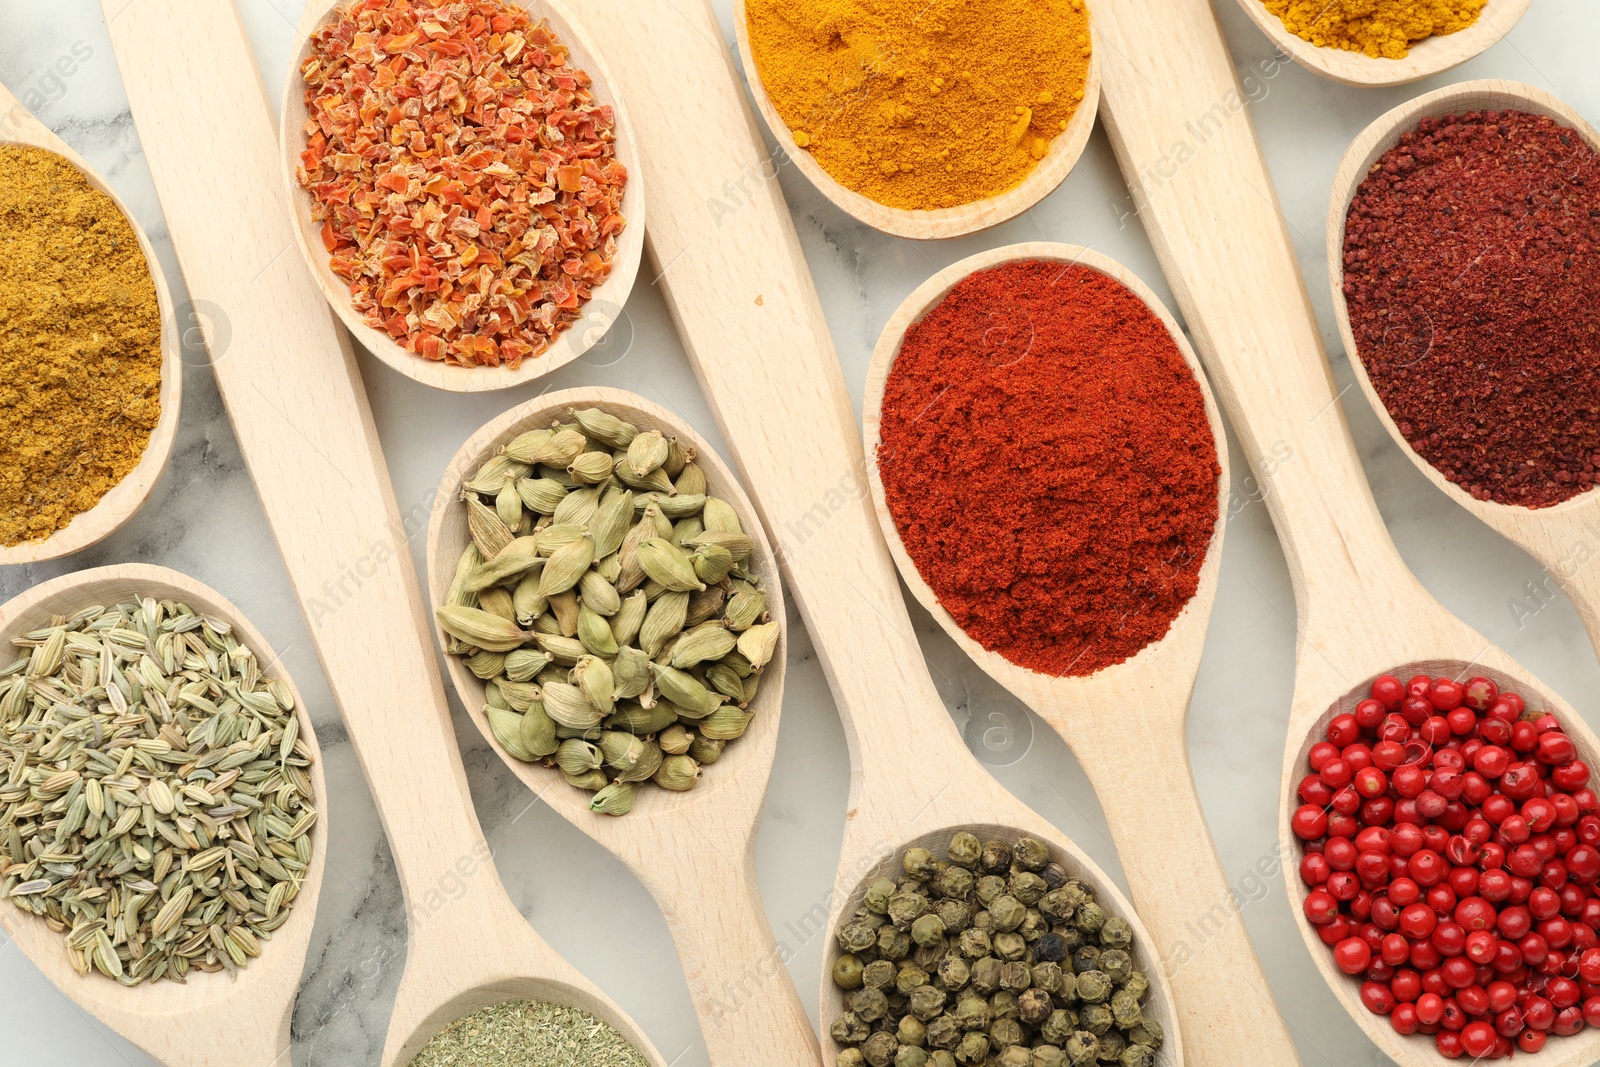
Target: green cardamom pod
[736,662]
[546,624]
[651,510]
[482,629]
[564,606]
[598,595]
[758,643]
[539,732]
[508,505]
[643,767]
[609,568]
[560,476]
[668,564]
[556,536]
[593,677]
[751,685]
[621,750]
[609,524]
[486,665]
[577,757]
[566,565]
[595,632]
[678,773]
[720,517]
[488,532]
[656,481]
[548,448]
[591,781]
[528,447]
[630,673]
[705,605]
[726,681]
[675,739]
[647,451]
[628,555]
[663,622]
[745,609]
[605,427]
[518,557]
[686,530]
[498,602]
[711,563]
[683,689]
[567,705]
[680,507]
[635,719]
[710,641]
[691,481]
[520,695]
[738,544]
[494,698]
[493,474]
[578,507]
[591,468]
[566,651]
[615,799]
[629,617]
[727,723]
[677,455]
[523,664]
[706,751]
[569,733]
[541,495]
[526,600]
[507,729]
[457,596]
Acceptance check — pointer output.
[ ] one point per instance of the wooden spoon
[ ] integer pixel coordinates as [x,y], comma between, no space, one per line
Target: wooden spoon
[694,851]
[1430,56]
[1562,538]
[295,397]
[18,126]
[1216,225]
[1040,182]
[1168,859]
[749,317]
[598,314]
[212,1020]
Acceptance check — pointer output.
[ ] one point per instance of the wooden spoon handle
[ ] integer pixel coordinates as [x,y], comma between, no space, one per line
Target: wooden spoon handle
[1225,1008]
[728,258]
[1181,127]
[294,395]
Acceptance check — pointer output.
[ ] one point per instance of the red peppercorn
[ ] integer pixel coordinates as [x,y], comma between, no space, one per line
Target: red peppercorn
[1502,995]
[1320,907]
[1404,1019]
[1370,782]
[1427,867]
[1572,776]
[1562,992]
[1568,1022]
[1591,1011]
[1343,885]
[1478,1039]
[1491,761]
[1388,691]
[1449,939]
[1377,999]
[1524,736]
[1530,1040]
[1539,1013]
[1314,869]
[1555,748]
[1514,922]
[1448,1043]
[1309,822]
[1463,881]
[1446,694]
[1352,955]
[1480,694]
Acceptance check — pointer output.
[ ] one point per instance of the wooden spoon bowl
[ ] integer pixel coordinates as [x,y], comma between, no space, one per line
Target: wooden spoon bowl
[602,308]
[1051,171]
[123,501]
[1565,539]
[1171,867]
[1433,55]
[212,1020]
[688,848]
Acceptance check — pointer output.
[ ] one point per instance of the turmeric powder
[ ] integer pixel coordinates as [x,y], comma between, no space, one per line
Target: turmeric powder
[1378,28]
[923,104]
[80,350]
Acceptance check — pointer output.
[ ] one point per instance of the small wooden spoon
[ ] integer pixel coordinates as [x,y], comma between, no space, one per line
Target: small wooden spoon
[694,851]
[1052,170]
[1565,539]
[603,306]
[1430,56]
[212,1020]
[18,126]
[1221,237]
[297,404]
[1168,859]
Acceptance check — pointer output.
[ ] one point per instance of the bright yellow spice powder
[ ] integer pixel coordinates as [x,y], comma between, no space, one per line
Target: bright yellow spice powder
[923,104]
[1379,28]
[80,346]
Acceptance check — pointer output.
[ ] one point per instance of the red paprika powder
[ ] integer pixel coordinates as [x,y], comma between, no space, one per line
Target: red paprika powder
[1049,464]
[1474,299]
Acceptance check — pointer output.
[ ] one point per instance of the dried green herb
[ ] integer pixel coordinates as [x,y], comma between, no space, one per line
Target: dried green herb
[528,1034]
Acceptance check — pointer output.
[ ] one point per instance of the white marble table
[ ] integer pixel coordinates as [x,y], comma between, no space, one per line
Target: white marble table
[205,520]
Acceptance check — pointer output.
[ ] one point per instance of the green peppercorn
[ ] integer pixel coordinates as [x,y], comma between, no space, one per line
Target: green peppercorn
[1010,946]
[1034,1007]
[1094,987]
[893,943]
[1081,1048]
[1003,1033]
[1031,853]
[941,1058]
[983,921]
[926,1002]
[910,1056]
[1049,948]
[972,1014]
[905,908]
[944,1032]
[879,974]
[1033,926]
[910,977]
[953,883]
[880,1048]
[876,899]
[928,956]
[1014,1056]
[869,1004]
[1125,1009]
[1015,976]
[1090,917]
[1070,936]
[847,971]
[973,944]
[849,1029]
[919,863]
[1003,1005]
[1116,933]
[1137,1056]
[911,1031]
[990,887]
[1059,1026]
[1054,875]
[1086,958]
[850,1057]
[928,930]
[1095,1018]
[1138,985]
[857,935]
[1147,1032]
[1116,963]
[1048,1056]
[1058,905]
[1047,976]
[965,850]
[974,1048]
[1068,993]
[955,914]
[953,972]
[1111,1045]
[1027,887]
[985,976]
[1007,911]
[996,858]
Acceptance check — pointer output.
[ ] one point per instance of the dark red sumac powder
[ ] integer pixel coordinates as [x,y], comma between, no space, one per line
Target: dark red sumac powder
[1049,465]
[1473,290]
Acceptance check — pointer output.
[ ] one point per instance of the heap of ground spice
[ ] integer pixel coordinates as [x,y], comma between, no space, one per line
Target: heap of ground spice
[1382,29]
[528,1034]
[466,176]
[1473,295]
[80,354]
[1049,464]
[922,104]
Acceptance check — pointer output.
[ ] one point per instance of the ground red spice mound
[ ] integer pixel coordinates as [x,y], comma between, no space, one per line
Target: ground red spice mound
[465,175]
[1474,298]
[1048,461]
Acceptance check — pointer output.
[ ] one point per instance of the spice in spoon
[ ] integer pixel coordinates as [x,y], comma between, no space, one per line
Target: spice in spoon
[1049,464]
[1473,298]
[465,174]
[528,1034]
[923,104]
[989,955]
[81,349]
[1382,29]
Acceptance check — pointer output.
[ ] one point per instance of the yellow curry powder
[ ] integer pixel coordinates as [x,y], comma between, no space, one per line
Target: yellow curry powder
[923,104]
[1383,29]
[80,349]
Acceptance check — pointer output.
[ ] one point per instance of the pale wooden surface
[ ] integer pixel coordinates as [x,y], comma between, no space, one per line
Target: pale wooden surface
[1565,539]
[745,306]
[1226,250]
[1052,170]
[1426,58]
[1127,726]
[213,1020]
[295,397]
[597,315]
[123,501]
[694,851]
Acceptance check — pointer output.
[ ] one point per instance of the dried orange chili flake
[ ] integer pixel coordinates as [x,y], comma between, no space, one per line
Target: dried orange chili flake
[465,176]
